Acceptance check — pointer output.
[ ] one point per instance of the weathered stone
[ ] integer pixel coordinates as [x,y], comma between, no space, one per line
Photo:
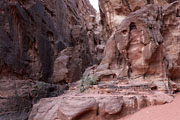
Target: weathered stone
[33,36]
[113,12]
[65,108]
[93,107]
[33,33]
[138,66]
[56,41]
[135,45]
[110,105]
[18,96]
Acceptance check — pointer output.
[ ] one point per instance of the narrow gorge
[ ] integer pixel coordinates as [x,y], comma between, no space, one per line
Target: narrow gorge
[63,60]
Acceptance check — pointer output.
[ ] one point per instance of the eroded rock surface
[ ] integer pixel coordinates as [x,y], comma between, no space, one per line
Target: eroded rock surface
[141,45]
[113,12]
[96,103]
[139,67]
[35,35]
[56,41]
[18,96]
[34,32]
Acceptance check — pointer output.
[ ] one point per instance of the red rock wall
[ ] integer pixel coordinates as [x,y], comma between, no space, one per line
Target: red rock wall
[32,35]
[34,32]
[114,11]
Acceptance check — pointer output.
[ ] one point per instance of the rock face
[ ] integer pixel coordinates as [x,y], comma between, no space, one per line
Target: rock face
[36,36]
[135,44]
[18,96]
[34,32]
[142,46]
[139,68]
[113,12]
[56,41]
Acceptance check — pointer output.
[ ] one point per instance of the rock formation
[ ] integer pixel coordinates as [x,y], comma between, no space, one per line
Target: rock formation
[37,37]
[93,107]
[36,31]
[125,58]
[138,68]
[18,96]
[113,12]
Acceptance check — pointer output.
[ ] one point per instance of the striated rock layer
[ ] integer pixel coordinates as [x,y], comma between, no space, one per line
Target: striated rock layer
[102,102]
[139,68]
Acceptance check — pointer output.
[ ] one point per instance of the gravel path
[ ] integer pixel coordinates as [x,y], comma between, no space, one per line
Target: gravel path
[170,111]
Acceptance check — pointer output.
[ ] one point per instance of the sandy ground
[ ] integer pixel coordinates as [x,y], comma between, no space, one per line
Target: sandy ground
[170,111]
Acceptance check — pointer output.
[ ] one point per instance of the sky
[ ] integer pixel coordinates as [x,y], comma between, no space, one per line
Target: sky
[95,4]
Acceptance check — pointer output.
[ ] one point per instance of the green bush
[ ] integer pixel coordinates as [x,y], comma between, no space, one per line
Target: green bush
[87,81]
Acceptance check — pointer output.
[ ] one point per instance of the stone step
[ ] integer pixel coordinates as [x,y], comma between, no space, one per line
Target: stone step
[131,87]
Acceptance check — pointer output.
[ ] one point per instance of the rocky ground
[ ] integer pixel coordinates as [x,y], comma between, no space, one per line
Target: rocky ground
[107,101]
[60,60]
[162,112]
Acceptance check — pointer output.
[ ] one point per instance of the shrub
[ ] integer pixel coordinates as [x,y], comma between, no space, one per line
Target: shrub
[87,81]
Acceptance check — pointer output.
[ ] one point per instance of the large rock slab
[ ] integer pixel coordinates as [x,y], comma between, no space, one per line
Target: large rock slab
[87,106]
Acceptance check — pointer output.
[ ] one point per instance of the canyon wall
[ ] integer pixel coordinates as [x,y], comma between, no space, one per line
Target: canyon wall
[144,43]
[113,63]
[40,40]
[139,68]
[113,12]
[33,33]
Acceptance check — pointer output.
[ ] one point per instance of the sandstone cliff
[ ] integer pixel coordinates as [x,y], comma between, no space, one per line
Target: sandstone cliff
[113,12]
[37,37]
[34,32]
[139,67]
[113,63]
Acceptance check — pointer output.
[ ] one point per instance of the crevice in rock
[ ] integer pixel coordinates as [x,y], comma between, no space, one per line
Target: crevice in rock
[128,5]
[177,13]
[132,26]
[148,1]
